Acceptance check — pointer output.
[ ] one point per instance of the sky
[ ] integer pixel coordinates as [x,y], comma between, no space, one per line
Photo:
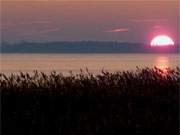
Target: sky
[71,20]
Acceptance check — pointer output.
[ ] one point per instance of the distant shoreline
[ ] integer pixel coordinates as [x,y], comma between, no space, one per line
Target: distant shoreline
[90,52]
[85,47]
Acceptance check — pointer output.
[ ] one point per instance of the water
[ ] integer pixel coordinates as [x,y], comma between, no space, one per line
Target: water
[13,63]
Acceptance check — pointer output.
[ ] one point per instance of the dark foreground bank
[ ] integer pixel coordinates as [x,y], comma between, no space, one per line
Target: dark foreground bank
[142,102]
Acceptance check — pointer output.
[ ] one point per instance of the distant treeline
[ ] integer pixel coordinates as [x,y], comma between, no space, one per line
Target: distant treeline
[84,47]
[145,102]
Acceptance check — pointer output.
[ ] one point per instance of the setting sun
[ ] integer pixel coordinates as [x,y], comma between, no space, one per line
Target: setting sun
[162,40]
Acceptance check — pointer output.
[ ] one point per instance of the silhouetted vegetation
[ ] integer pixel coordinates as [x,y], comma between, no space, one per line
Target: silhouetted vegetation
[144,102]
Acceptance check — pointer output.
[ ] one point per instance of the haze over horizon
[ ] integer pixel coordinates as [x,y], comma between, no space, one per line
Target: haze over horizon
[122,21]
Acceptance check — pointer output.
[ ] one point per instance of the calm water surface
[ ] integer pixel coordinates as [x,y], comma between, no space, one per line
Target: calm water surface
[13,63]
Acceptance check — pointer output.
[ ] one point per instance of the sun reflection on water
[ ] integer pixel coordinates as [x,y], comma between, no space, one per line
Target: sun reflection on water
[162,63]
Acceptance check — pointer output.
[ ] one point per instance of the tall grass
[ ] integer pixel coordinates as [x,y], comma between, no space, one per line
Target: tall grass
[148,81]
[144,101]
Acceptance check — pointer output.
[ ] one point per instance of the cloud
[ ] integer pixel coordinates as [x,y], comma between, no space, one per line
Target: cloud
[38,22]
[49,30]
[157,27]
[41,32]
[10,25]
[7,25]
[148,20]
[118,30]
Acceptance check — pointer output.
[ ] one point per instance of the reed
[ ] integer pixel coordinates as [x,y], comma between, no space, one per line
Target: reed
[144,101]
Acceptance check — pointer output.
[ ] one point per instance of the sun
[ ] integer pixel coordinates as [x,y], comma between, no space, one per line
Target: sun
[162,40]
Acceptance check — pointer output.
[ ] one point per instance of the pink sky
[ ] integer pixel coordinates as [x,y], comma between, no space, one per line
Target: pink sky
[126,21]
